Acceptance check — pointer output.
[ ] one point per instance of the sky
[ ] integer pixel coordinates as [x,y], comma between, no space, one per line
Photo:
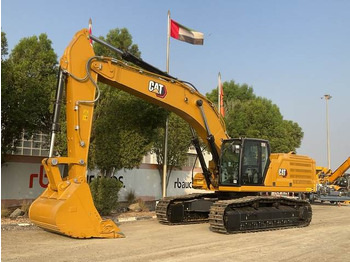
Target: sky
[292,52]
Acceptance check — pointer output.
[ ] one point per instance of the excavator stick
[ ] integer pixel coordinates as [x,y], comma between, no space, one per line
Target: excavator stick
[69,208]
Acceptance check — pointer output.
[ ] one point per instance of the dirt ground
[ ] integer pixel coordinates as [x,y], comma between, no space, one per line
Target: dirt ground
[326,239]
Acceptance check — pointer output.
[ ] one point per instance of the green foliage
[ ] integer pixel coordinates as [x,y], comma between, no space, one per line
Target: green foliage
[179,141]
[123,130]
[130,196]
[119,38]
[27,88]
[257,117]
[290,137]
[4,47]
[104,192]
[124,125]
[61,136]
[233,93]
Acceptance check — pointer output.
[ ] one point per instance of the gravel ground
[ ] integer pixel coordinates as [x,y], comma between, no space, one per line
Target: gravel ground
[326,239]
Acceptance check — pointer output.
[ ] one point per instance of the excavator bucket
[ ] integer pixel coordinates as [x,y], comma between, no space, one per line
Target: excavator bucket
[68,209]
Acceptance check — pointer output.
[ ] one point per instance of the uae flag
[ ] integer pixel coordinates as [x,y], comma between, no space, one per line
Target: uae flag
[185,34]
[90,30]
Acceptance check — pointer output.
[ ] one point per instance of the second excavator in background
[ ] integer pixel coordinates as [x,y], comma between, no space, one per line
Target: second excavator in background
[333,187]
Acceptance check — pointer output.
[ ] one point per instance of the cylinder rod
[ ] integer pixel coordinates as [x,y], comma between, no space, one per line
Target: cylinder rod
[57,111]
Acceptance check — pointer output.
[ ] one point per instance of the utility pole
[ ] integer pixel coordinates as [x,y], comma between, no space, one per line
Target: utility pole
[327,97]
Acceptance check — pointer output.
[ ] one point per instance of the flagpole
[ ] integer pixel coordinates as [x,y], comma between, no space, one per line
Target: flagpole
[165,160]
[168,44]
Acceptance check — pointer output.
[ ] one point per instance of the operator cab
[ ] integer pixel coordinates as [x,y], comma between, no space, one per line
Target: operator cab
[244,162]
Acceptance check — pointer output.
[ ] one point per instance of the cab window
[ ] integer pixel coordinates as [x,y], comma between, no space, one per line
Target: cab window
[229,169]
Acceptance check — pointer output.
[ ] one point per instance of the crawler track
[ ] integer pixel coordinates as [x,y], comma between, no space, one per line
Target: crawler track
[258,213]
[168,206]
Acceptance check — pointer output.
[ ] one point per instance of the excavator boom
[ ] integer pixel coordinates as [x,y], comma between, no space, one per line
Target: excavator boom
[339,171]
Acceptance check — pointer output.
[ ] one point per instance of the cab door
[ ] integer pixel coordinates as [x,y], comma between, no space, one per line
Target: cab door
[254,162]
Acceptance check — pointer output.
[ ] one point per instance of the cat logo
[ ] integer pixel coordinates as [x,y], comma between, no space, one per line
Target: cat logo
[282,172]
[157,88]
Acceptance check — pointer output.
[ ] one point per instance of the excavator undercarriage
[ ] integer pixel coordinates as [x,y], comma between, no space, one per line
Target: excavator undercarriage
[186,209]
[238,215]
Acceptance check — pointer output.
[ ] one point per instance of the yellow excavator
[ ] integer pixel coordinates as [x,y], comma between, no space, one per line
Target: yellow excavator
[242,175]
[334,186]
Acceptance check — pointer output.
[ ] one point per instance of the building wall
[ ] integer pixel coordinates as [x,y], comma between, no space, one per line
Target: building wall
[24,178]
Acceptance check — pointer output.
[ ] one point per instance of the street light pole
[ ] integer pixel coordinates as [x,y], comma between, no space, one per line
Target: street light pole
[327,97]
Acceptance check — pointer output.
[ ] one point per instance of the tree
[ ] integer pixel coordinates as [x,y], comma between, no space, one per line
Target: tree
[119,38]
[291,135]
[123,130]
[233,93]
[4,46]
[27,87]
[250,116]
[5,81]
[104,192]
[179,141]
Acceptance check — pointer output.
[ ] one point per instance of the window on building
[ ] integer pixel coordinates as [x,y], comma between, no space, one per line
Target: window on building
[36,145]
[192,161]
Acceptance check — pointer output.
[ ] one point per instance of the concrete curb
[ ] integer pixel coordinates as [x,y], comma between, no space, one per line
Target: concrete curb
[131,219]
[116,220]
[17,225]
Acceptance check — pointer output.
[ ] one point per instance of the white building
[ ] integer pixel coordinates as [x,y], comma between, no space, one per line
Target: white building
[23,177]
